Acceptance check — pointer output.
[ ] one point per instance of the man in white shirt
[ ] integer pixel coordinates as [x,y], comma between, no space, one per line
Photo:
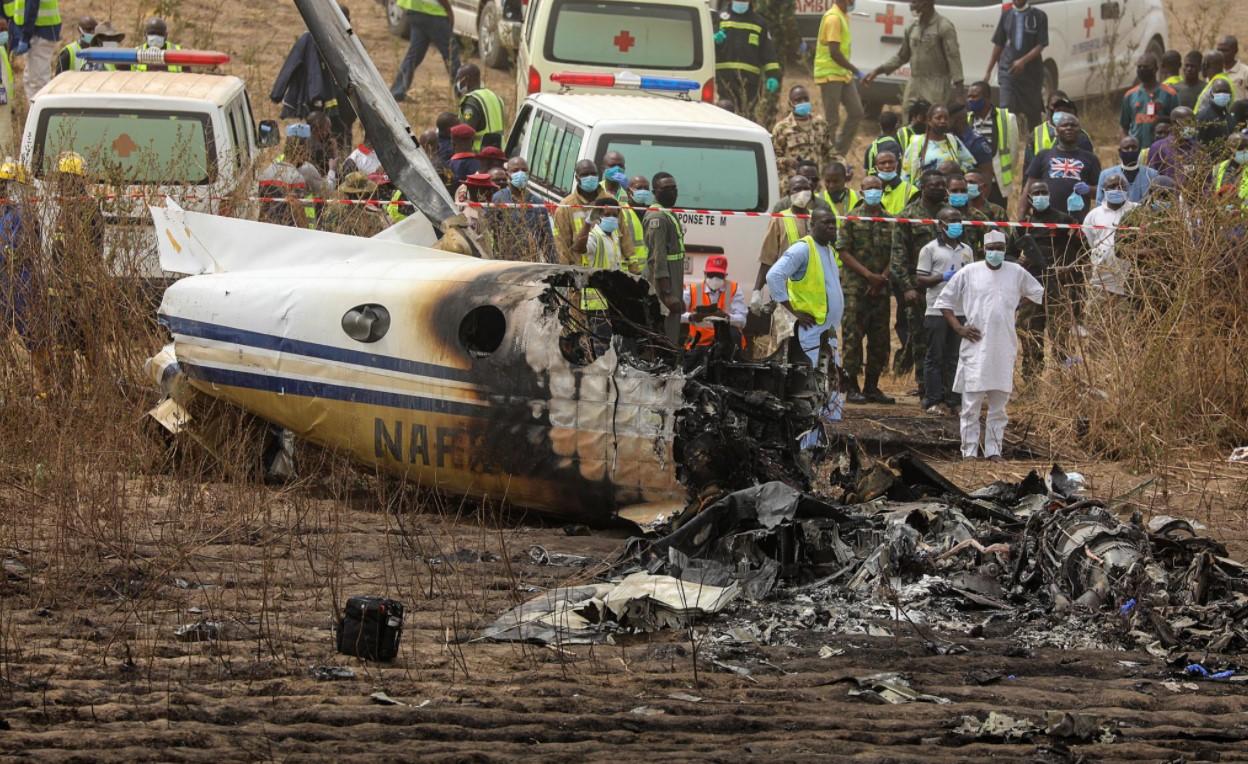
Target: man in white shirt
[1237,70]
[1099,227]
[987,293]
[939,260]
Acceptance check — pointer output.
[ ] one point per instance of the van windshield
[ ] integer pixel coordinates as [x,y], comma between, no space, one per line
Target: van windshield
[134,147]
[712,174]
[644,36]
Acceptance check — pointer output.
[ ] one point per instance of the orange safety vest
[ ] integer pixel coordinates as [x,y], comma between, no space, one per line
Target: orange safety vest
[703,336]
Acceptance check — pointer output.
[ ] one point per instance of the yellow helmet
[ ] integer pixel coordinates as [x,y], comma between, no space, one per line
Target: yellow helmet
[11,170]
[71,163]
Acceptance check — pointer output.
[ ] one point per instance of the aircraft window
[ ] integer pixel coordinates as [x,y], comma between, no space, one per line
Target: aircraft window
[366,323]
[482,330]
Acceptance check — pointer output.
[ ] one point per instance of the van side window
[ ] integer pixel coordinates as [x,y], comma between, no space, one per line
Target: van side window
[568,153]
[518,129]
[236,146]
[553,150]
[541,149]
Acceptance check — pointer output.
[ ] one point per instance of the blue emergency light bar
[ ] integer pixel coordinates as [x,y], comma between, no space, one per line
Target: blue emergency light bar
[154,56]
[625,81]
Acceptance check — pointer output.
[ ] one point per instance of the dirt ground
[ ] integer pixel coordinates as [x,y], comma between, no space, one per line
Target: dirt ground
[91,670]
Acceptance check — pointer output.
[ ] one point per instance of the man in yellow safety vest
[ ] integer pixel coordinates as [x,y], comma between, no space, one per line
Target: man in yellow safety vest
[67,60]
[784,231]
[428,21]
[37,31]
[480,107]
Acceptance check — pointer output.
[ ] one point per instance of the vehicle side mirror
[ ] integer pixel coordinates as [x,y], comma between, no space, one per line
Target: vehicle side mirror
[267,134]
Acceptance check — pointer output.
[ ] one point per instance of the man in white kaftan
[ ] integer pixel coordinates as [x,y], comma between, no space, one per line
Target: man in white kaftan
[987,293]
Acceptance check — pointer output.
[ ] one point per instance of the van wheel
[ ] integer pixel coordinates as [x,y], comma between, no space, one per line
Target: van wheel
[396,19]
[492,51]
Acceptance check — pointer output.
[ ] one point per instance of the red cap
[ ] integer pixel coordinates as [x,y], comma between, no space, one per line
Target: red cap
[491,152]
[462,131]
[479,180]
[717,264]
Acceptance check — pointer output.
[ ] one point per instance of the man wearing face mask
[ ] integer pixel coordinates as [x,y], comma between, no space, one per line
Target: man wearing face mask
[926,152]
[908,240]
[929,44]
[865,247]
[785,231]
[67,60]
[1053,256]
[575,209]
[1215,121]
[986,294]
[1145,103]
[1070,171]
[1177,155]
[939,261]
[600,248]
[999,129]
[836,194]
[981,206]
[614,176]
[520,234]
[638,200]
[480,107]
[1044,136]
[801,135]
[1100,229]
[959,190]
[1138,178]
[897,192]
[157,38]
[745,56]
[1230,180]
[665,238]
[1018,45]
[716,297]
[916,124]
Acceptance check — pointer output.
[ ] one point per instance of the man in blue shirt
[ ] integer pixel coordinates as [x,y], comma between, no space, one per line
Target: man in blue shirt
[1018,44]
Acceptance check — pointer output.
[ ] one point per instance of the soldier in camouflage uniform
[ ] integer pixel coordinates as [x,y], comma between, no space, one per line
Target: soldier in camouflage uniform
[866,250]
[908,239]
[801,135]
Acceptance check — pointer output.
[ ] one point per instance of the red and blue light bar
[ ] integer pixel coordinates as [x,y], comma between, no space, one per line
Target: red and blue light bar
[154,56]
[625,81]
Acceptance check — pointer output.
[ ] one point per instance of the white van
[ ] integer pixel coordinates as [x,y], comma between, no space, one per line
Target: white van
[662,38]
[150,134]
[1093,44]
[720,161]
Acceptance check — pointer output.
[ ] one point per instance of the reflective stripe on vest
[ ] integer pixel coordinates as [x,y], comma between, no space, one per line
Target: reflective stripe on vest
[49,14]
[825,67]
[641,253]
[1041,137]
[430,7]
[790,226]
[810,295]
[1003,148]
[680,235]
[904,136]
[592,299]
[8,72]
[739,66]
[73,49]
[493,106]
[1200,100]
[874,150]
[168,46]
[701,336]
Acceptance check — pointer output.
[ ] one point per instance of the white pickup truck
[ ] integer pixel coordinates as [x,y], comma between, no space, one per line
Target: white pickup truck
[493,24]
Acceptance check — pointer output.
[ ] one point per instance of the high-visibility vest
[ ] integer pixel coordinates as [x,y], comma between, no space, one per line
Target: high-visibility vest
[430,7]
[1209,88]
[168,46]
[493,106]
[904,136]
[896,198]
[789,218]
[874,149]
[701,336]
[8,73]
[607,257]
[632,222]
[73,49]
[49,14]
[809,294]
[1220,174]
[1172,81]
[826,68]
[851,201]
[1005,146]
[1045,136]
[680,234]
[394,208]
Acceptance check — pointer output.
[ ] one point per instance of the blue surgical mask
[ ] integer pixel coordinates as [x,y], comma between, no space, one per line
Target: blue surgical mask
[887,177]
[609,225]
[975,104]
[588,183]
[959,199]
[803,109]
[1116,196]
[739,7]
[1040,203]
[643,197]
[1241,157]
[88,37]
[616,175]
[519,179]
[1060,116]
[972,190]
[1222,100]
[873,196]
[1074,203]
[155,41]
[994,257]
[4,38]
[953,230]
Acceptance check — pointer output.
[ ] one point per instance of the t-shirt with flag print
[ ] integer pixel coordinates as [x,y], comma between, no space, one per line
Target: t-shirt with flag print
[1063,170]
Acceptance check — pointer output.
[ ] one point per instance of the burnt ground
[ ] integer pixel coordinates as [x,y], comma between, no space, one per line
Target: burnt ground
[90,667]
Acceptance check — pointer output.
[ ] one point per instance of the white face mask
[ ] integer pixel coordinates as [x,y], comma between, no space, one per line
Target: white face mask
[110,44]
[155,41]
[801,198]
[714,283]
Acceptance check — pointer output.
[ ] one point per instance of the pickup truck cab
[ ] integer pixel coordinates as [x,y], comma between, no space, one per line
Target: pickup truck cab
[145,135]
[659,38]
[1093,44]
[493,24]
[721,162]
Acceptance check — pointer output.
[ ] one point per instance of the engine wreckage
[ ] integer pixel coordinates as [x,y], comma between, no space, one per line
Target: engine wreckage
[892,548]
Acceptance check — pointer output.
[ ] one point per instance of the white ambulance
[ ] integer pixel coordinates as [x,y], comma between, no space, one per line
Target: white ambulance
[1093,44]
[721,162]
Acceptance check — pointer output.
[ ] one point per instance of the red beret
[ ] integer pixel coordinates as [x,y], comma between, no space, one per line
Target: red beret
[462,131]
[479,180]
